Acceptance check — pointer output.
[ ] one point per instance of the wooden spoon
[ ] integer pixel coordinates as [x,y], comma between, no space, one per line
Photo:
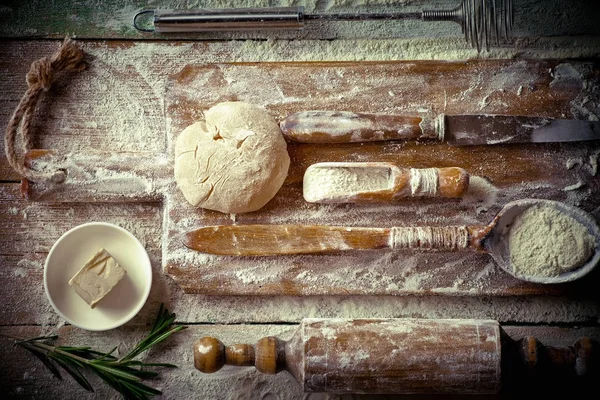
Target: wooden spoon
[265,240]
[353,182]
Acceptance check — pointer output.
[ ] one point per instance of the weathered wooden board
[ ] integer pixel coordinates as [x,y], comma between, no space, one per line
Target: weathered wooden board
[28,230]
[97,106]
[550,88]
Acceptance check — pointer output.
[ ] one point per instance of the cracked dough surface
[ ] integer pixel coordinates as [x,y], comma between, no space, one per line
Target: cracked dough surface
[234,162]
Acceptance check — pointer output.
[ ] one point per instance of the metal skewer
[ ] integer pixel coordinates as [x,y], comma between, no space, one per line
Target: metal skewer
[482,21]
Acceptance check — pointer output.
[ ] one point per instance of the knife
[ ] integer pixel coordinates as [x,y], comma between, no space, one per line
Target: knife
[456,130]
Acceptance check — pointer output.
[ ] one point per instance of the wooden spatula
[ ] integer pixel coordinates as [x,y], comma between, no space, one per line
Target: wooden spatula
[349,182]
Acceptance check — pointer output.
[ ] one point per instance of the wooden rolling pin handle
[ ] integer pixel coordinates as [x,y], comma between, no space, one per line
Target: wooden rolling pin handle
[268,355]
[348,127]
[538,360]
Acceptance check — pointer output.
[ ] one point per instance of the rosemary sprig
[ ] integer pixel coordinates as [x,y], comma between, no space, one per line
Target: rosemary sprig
[123,374]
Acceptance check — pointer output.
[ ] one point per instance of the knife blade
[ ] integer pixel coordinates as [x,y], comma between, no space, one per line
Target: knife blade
[456,130]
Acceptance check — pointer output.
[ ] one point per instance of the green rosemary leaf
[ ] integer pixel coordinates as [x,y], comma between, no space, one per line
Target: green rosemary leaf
[124,375]
[143,388]
[159,318]
[117,385]
[98,354]
[145,374]
[115,371]
[73,371]
[35,339]
[106,356]
[164,336]
[71,348]
[41,355]
[157,336]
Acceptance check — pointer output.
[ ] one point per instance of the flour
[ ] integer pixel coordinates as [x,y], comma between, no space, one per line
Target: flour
[545,242]
[481,193]
[326,182]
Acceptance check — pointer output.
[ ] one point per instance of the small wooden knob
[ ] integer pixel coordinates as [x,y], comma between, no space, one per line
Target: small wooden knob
[268,356]
[209,354]
[586,351]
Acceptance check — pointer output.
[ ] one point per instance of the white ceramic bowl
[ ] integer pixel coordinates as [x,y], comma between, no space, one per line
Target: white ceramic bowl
[72,251]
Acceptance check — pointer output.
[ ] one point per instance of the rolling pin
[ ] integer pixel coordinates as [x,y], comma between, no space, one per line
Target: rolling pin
[346,182]
[400,356]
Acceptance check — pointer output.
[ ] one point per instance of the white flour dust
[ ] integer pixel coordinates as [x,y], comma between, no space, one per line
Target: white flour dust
[545,242]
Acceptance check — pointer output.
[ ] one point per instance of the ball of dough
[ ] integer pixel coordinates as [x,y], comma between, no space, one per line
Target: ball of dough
[234,162]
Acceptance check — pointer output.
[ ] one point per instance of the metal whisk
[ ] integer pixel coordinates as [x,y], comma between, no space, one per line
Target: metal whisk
[482,21]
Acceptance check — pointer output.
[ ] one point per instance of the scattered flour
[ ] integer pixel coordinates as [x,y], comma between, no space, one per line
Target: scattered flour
[574,186]
[480,192]
[545,242]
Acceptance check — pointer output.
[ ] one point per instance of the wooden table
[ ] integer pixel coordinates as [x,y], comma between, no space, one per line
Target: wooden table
[135,90]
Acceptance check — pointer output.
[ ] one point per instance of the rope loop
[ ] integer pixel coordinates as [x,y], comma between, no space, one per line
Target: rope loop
[40,77]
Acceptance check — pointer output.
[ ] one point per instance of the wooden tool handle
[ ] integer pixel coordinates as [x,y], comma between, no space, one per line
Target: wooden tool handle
[269,240]
[210,355]
[346,127]
[350,182]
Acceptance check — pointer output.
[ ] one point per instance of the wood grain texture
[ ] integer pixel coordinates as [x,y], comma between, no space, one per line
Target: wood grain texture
[405,356]
[113,19]
[550,88]
[507,87]
[118,105]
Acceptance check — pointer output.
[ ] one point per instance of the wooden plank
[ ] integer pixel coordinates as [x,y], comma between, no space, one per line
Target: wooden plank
[519,171]
[117,104]
[29,230]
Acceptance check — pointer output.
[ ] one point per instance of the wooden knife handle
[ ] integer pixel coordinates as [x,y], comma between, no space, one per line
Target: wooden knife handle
[356,182]
[348,127]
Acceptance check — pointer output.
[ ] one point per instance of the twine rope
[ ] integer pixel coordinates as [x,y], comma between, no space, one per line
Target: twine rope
[40,77]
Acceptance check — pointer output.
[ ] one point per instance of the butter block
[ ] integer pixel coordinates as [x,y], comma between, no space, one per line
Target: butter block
[97,277]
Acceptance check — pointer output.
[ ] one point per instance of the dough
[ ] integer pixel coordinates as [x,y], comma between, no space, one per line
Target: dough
[234,162]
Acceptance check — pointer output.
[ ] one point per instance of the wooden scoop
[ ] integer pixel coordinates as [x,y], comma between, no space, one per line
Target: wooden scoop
[349,182]
[265,240]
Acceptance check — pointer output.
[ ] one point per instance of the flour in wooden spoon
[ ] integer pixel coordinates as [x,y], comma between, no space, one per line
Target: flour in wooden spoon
[545,242]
